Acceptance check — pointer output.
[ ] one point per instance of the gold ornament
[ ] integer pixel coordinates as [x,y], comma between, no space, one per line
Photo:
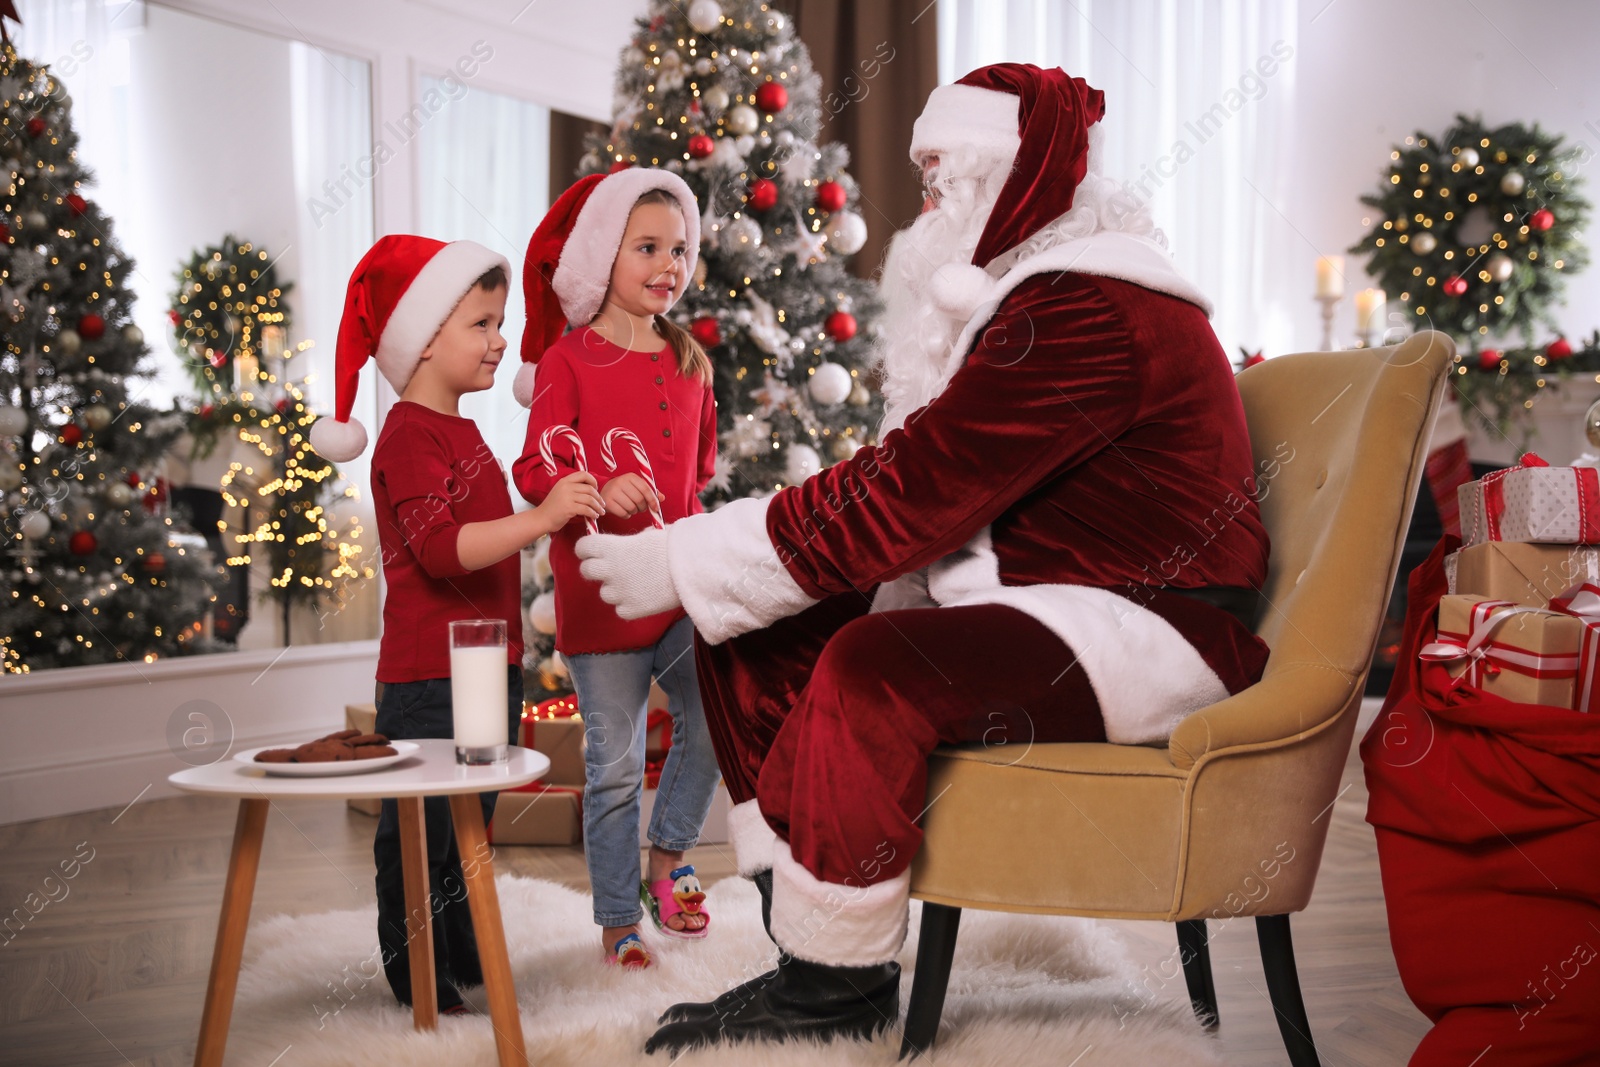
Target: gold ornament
[1591,424]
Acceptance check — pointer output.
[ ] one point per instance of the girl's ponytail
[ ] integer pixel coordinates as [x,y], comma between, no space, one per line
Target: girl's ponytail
[692,359]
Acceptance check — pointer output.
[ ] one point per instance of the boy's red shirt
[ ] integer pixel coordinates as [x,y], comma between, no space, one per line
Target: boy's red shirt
[432,474]
[592,385]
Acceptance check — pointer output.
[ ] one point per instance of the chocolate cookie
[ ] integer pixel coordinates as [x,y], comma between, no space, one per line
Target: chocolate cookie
[324,752]
[366,739]
[275,755]
[376,751]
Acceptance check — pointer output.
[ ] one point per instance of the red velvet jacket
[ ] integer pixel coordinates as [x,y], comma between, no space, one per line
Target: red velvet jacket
[592,385]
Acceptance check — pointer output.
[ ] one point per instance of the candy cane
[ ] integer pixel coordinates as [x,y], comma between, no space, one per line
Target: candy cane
[579,458]
[627,437]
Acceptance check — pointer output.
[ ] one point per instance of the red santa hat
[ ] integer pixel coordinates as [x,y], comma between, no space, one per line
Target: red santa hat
[1038,120]
[568,266]
[401,292]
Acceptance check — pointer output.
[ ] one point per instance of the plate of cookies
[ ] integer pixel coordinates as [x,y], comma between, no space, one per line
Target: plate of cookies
[345,752]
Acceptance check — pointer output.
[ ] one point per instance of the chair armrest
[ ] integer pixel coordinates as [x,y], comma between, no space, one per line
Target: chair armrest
[1285,705]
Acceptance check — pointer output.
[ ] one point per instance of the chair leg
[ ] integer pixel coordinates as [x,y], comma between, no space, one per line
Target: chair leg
[936,948]
[1283,986]
[1194,951]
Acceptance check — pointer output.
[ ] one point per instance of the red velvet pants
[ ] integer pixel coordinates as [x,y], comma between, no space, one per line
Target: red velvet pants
[827,718]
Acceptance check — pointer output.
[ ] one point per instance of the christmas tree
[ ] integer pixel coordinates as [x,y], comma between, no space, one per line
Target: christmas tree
[724,95]
[96,570]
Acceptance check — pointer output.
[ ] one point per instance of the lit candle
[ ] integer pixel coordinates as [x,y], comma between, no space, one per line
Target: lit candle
[1330,277]
[1370,307]
[246,370]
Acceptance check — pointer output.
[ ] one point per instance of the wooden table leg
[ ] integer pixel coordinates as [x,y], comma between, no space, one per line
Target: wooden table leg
[419,913]
[484,901]
[229,951]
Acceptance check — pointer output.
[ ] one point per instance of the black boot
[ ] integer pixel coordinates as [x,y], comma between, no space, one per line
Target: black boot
[801,1000]
[739,993]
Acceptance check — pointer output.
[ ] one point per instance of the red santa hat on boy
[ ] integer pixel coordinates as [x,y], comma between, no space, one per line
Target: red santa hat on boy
[1037,121]
[401,292]
[568,266]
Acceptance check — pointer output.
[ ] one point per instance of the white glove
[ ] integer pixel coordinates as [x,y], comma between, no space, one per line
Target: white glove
[632,571]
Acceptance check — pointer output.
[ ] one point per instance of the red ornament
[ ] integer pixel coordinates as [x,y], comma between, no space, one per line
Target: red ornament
[77,204]
[155,563]
[763,194]
[71,434]
[1541,220]
[206,410]
[831,196]
[701,146]
[705,330]
[694,107]
[282,405]
[36,126]
[216,357]
[174,318]
[1455,286]
[1252,358]
[82,543]
[771,96]
[156,496]
[618,165]
[134,479]
[1489,359]
[840,326]
[1560,348]
[92,327]
[5,233]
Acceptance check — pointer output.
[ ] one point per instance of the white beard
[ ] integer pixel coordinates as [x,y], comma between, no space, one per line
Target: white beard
[917,332]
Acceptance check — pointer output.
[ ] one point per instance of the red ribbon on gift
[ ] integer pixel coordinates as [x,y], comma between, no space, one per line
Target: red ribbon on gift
[1588,488]
[1486,657]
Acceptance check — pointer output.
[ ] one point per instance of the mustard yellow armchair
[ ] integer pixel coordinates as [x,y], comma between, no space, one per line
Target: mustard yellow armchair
[1227,818]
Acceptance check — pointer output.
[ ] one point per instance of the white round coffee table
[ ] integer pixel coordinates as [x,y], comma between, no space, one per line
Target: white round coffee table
[431,771]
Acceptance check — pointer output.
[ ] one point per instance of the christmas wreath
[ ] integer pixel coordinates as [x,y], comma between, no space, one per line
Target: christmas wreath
[226,305]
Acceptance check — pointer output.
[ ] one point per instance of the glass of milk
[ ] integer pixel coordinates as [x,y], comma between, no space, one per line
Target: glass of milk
[478,690]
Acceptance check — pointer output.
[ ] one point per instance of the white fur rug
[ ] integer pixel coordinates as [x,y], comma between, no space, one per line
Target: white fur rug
[1025,990]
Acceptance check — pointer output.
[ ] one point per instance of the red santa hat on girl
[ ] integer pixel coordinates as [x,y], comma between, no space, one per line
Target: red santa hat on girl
[401,292]
[1037,121]
[568,266]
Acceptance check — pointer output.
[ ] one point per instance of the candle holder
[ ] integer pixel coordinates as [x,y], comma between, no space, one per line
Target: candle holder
[1329,303]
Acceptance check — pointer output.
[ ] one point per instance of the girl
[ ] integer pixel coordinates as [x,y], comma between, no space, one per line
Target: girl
[612,256]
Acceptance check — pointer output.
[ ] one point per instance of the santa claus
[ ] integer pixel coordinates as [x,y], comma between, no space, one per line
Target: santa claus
[1056,539]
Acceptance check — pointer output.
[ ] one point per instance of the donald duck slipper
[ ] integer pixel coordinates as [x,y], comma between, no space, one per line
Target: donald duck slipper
[677,894]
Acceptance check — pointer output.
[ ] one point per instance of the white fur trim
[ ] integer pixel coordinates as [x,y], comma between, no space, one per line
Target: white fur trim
[340,442]
[751,837]
[960,289]
[522,384]
[583,272]
[427,302]
[837,925]
[1145,675]
[727,573]
[966,116]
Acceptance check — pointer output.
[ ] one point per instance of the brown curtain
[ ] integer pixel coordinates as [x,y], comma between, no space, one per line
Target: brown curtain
[567,134]
[878,60]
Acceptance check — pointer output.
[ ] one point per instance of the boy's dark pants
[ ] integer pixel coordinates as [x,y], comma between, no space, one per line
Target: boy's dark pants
[408,711]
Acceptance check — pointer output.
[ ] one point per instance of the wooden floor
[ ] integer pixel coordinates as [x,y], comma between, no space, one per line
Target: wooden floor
[113,971]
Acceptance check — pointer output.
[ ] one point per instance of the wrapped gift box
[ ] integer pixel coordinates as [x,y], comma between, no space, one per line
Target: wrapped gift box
[538,815]
[1512,651]
[363,717]
[1522,573]
[555,728]
[1532,502]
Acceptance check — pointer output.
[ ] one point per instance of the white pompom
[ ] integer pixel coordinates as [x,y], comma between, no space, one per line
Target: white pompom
[959,289]
[542,613]
[338,441]
[522,385]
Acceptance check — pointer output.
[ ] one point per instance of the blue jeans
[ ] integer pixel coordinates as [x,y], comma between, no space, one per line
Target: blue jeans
[408,711]
[613,691]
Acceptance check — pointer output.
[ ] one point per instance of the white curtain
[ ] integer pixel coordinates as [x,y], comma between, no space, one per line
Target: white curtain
[1199,100]
[484,162]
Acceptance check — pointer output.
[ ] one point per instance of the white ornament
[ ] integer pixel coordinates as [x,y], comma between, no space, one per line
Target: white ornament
[632,57]
[97,416]
[845,447]
[558,665]
[742,234]
[119,495]
[743,143]
[702,66]
[800,164]
[803,463]
[10,477]
[808,248]
[742,119]
[670,81]
[830,384]
[1468,157]
[1499,267]
[847,233]
[35,525]
[35,220]
[69,342]
[1424,243]
[726,154]
[541,561]
[1512,183]
[132,335]
[542,613]
[705,15]
[750,437]
[13,420]
[714,99]
[671,60]
[776,22]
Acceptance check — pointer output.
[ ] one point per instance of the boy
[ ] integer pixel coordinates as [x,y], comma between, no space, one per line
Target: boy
[430,314]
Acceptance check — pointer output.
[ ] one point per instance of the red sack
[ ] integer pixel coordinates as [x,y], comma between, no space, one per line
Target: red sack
[1487,816]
